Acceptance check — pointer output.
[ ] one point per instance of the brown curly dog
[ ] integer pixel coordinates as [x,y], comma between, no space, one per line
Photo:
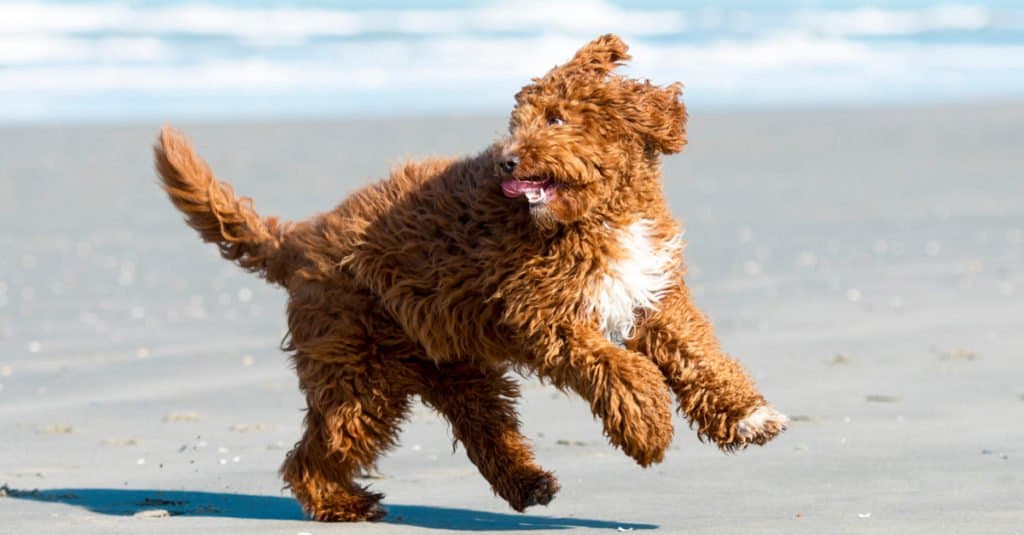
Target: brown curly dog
[551,253]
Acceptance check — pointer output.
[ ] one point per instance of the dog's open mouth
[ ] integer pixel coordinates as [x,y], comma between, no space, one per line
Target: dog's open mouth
[535,191]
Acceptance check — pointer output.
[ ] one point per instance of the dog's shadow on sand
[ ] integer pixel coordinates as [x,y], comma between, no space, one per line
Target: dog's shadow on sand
[128,502]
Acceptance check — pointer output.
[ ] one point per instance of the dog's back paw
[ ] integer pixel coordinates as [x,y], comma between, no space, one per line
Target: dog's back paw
[538,490]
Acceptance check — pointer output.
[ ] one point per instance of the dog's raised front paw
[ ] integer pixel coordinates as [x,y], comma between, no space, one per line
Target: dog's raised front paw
[640,417]
[760,426]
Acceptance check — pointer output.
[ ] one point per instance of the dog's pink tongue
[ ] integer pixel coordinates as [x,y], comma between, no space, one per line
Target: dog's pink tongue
[518,188]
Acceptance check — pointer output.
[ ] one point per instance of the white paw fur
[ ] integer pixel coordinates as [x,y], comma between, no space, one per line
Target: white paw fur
[763,420]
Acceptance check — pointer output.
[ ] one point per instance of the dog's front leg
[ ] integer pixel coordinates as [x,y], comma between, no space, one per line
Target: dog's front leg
[714,391]
[623,387]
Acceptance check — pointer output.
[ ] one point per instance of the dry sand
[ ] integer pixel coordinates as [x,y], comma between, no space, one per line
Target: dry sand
[865,265]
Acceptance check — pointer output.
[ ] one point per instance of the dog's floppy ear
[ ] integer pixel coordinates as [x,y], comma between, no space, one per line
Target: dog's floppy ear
[599,56]
[659,116]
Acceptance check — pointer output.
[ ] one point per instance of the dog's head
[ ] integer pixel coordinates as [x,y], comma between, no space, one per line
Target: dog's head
[581,137]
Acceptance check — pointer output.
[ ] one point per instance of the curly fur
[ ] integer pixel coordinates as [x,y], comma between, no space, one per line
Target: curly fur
[440,280]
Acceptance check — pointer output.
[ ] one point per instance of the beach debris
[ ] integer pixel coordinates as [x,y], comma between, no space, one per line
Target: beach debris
[986,451]
[140,461]
[744,234]
[563,442]
[186,416]
[933,248]
[621,529]
[244,295]
[236,459]
[56,429]
[801,418]
[840,359]
[959,353]
[883,398]
[303,533]
[153,513]
[34,346]
[801,447]
[416,447]
[250,428]
[222,461]
[222,449]
[142,352]
[798,516]
[248,360]
[854,295]
[119,442]
[864,515]
[807,259]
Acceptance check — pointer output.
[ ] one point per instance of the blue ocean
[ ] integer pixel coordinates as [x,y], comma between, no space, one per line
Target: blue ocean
[233,59]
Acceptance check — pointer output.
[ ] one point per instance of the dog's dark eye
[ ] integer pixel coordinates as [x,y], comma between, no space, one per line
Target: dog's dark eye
[555,120]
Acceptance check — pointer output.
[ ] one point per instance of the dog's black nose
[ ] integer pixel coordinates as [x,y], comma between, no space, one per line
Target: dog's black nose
[509,164]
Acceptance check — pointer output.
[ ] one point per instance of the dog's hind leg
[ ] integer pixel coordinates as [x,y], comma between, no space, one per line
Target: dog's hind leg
[354,411]
[480,406]
[347,356]
[714,391]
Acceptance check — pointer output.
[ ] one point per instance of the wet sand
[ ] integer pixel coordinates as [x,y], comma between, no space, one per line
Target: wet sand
[866,265]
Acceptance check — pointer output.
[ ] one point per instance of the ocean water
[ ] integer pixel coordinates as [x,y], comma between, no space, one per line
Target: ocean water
[155,59]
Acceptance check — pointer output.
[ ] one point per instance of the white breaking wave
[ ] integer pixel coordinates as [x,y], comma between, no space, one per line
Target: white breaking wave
[573,17]
[875,21]
[32,49]
[291,24]
[483,63]
[61,55]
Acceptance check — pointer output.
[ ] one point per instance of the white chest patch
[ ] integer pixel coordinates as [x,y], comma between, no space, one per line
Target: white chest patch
[635,282]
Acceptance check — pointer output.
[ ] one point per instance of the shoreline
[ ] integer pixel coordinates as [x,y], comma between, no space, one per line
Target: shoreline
[997,102]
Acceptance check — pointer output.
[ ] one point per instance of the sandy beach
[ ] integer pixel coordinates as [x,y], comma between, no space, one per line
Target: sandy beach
[865,265]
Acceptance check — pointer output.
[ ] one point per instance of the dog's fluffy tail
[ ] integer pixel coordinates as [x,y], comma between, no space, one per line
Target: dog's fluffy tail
[211,208]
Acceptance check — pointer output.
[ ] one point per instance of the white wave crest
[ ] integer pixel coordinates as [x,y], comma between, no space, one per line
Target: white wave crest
[292,23]
[488,63]
[32,49]
[875,21]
